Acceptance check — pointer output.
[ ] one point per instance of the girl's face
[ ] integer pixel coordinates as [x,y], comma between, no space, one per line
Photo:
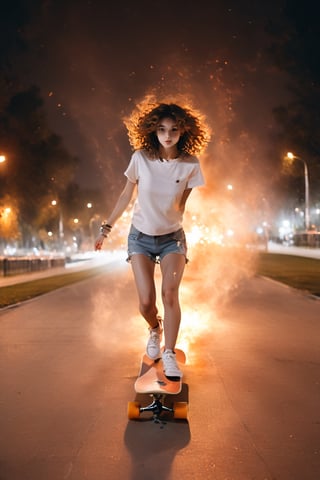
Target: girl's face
[168,133]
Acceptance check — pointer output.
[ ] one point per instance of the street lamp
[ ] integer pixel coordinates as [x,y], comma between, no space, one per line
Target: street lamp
[291,156]
[2,158]
[61,230]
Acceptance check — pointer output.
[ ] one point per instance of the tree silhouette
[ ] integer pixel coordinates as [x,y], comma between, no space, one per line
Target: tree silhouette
[38,163]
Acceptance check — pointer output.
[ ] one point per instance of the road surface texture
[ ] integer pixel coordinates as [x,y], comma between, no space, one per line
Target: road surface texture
[68,362]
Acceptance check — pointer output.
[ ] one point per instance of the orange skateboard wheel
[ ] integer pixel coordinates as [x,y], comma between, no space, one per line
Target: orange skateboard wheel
[180,410]
[133,410]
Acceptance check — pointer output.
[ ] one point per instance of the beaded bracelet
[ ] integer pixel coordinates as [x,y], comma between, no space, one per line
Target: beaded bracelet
[105,229]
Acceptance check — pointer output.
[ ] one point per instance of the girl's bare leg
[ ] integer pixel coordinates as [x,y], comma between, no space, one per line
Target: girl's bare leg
[172,268]
[143,270]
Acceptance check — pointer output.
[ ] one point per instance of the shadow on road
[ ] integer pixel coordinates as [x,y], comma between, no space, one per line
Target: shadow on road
[154,446]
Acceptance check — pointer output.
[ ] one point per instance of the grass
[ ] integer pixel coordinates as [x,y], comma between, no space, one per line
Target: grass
[298,272]
[20,292]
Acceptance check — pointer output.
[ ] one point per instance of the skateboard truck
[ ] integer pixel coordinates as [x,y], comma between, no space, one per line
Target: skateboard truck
[156,407]
[179,409]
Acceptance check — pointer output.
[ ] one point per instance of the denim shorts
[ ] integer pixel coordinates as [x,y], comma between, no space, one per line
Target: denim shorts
[156,247]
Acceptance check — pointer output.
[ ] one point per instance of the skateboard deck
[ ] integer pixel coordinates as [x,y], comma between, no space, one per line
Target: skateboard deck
[152,381]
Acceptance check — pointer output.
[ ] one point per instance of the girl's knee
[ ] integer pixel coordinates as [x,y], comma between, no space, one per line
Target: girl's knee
[170,296]
[146,307]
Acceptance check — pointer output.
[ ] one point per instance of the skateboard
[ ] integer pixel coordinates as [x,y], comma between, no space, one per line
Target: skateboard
[152,381]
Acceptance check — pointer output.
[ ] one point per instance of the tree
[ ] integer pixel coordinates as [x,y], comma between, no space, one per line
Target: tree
[38,162]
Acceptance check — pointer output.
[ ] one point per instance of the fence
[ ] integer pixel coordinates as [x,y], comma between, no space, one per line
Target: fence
[310,239]
[17,265]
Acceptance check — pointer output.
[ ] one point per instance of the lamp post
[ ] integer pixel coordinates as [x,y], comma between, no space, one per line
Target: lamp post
[291,156]
[61,229]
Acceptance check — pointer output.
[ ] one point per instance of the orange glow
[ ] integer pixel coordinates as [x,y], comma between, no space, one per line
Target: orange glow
[194,324]
[8,220]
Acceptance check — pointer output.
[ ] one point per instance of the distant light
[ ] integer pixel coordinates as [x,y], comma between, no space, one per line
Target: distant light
[5,213]
[54,202]
[290,155]
[286,223]
[2,158]
[76,220]
[229,186]
[89,205]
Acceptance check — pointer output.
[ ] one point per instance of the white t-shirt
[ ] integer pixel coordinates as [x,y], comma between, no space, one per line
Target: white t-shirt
[160,188]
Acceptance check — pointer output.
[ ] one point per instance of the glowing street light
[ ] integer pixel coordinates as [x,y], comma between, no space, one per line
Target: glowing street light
[2,158]
[291,156]
[61,229]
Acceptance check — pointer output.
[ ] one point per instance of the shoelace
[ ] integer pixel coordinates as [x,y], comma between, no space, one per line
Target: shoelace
[170,357]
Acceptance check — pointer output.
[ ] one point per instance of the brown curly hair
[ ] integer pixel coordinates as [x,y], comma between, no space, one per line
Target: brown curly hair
[142,126]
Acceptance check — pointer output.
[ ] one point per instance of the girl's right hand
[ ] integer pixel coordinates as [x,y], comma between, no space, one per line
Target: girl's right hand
[99,242]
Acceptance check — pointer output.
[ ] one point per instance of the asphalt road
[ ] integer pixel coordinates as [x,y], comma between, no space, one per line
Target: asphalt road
[68,361]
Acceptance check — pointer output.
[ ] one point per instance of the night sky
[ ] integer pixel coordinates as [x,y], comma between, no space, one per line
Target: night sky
[95,60]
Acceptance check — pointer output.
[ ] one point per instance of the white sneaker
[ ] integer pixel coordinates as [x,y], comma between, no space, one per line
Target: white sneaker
[170,366]
[153,349]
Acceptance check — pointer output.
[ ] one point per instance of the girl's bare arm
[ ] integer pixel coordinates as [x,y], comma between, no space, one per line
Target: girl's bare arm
[122,203]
